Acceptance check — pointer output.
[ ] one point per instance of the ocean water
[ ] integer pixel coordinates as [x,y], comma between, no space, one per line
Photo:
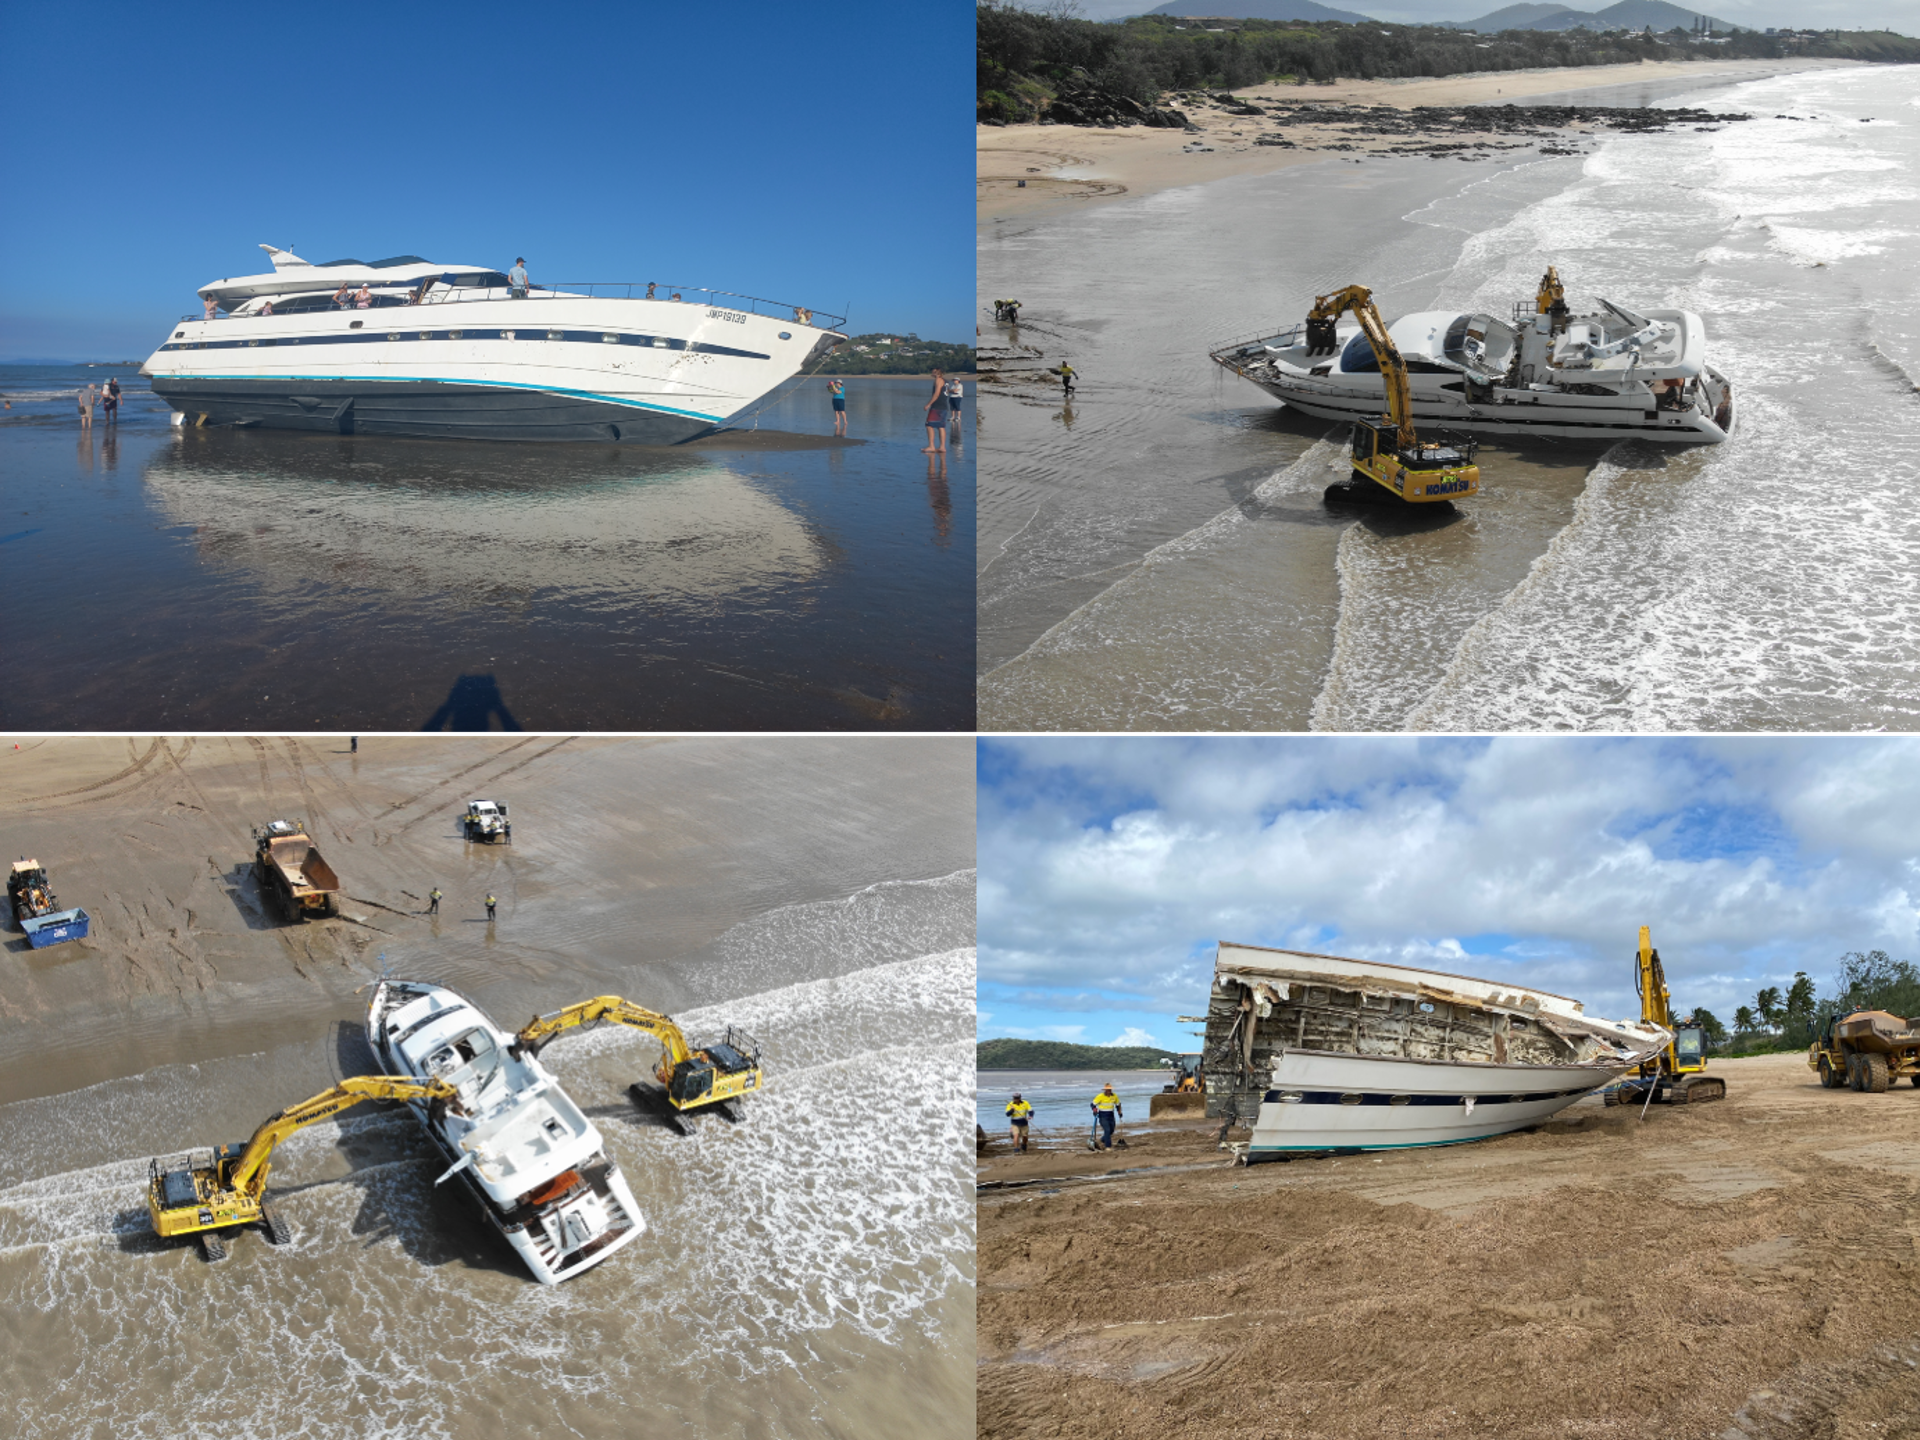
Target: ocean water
[1160,558]
[1060,1097]
[261,580]
[806,1273]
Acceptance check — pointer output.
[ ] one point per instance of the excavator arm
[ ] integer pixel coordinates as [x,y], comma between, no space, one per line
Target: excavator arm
[542,1030]
[1358,300]
[716,1074]
[348,1093]
[1655,999]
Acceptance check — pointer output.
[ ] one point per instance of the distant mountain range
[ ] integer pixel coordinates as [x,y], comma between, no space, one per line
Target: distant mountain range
[1062,1055]
[1627,15]
[1265,10]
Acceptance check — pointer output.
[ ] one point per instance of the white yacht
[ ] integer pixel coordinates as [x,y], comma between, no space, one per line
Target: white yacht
[1603,374]
[407,347]
[534,1162]
[1323,1054]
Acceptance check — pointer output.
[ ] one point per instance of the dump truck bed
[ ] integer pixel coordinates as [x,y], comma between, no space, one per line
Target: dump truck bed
[299,863]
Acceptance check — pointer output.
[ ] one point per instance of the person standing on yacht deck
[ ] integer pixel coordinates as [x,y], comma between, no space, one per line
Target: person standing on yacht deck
[364,299]
[517,278]
[343,297]
[210,307]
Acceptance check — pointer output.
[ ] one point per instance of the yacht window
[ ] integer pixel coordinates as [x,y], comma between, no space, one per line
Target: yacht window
[178,333]
[426,334]
[506,334]
[356,324]
[786,334]
[611,339]
[659,342]
[393,335]
[253,342]
[556,334]
[453,334]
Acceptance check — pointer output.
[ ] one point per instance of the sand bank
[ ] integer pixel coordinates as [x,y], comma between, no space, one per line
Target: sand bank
[1069,165]
[1722,1269]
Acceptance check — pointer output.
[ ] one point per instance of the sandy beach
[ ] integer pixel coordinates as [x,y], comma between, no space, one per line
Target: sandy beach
[626,853]
[1070,166]
[1726,1270]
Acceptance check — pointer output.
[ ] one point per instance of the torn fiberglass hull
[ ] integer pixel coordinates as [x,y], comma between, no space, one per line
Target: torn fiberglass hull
[1319,1053]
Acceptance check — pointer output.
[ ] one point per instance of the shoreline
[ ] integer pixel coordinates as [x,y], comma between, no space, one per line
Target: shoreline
[1068,167]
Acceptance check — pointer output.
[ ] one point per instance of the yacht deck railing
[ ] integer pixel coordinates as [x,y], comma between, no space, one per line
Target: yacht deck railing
[594,289]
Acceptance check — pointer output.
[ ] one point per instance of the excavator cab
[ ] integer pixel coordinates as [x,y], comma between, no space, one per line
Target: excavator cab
[1689,1049]
[1437,466]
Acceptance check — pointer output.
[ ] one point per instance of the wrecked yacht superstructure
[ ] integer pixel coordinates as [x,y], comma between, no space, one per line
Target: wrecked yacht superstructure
[1323,1054]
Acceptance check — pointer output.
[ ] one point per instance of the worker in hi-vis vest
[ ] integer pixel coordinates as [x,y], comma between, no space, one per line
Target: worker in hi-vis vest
[1106,1109]
[1018,1113]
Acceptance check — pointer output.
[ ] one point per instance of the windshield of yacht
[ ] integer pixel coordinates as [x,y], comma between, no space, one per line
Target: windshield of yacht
[1358,359]
[1480,343]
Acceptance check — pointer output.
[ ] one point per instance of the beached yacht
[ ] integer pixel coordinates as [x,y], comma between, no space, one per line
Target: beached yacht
[1601,374]
[1319,1053]
[404,346]
[535,1163]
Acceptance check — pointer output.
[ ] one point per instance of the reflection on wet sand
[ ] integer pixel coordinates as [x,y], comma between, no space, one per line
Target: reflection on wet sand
[416,519]
[941,499]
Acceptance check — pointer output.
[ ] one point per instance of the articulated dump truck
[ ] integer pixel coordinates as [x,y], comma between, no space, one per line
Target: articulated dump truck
[1867,1050]
[290,870]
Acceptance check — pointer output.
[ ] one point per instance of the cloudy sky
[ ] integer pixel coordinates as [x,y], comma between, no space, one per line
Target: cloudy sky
[1109,868]
[1901,15]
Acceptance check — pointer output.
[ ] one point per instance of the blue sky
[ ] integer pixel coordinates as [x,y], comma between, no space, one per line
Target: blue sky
[1900,15]
[810,154]
[1109,868]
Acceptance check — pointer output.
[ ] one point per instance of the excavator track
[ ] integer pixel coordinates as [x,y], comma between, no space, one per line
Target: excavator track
[278,1231]
[212,1246]
[1693,1089]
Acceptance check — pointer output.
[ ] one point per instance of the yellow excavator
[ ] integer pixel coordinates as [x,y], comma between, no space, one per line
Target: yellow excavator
[203,1193]
[713,1075]
[1673,1076]
[1386,452]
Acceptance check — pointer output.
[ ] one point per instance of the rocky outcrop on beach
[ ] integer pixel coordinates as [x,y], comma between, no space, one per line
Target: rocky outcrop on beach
[1082,100]
[1438,130]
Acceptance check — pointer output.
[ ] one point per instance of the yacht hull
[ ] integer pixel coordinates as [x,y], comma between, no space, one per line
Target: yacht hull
[1329,1102]
[441,409]
[557,367]
[1562,417]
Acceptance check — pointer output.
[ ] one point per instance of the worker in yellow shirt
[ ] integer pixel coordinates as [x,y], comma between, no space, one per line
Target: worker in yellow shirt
[1106,1110]
[1018,1113]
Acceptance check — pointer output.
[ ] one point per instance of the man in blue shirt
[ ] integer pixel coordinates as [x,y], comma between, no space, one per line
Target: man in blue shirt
[517,278]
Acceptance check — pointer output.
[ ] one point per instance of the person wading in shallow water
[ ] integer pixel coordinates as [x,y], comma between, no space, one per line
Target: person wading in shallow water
[491,902]
[937,417]
[433,901]
[1019,1112]
[1106,1109]
[837,388]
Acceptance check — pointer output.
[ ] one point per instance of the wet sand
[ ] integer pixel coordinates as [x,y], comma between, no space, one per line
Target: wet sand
[627,853]
[1726,1269]
[797,1278]
[1072,166]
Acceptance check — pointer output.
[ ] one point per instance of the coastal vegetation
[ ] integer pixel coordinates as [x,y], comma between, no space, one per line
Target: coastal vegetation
[1025,58]
[1777,1020]
[892,353]
[1059,1055]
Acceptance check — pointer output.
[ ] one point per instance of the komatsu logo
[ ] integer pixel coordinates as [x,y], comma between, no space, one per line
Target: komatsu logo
[1449,487]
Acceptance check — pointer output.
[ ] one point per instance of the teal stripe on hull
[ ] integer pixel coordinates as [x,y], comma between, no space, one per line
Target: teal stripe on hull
[477,384]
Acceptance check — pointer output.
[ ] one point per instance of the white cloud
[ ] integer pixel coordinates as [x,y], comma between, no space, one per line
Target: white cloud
[1114,865]
[1132,1035]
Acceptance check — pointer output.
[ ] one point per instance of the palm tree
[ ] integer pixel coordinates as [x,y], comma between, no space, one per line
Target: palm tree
[1743,1020]
[1767,1002]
